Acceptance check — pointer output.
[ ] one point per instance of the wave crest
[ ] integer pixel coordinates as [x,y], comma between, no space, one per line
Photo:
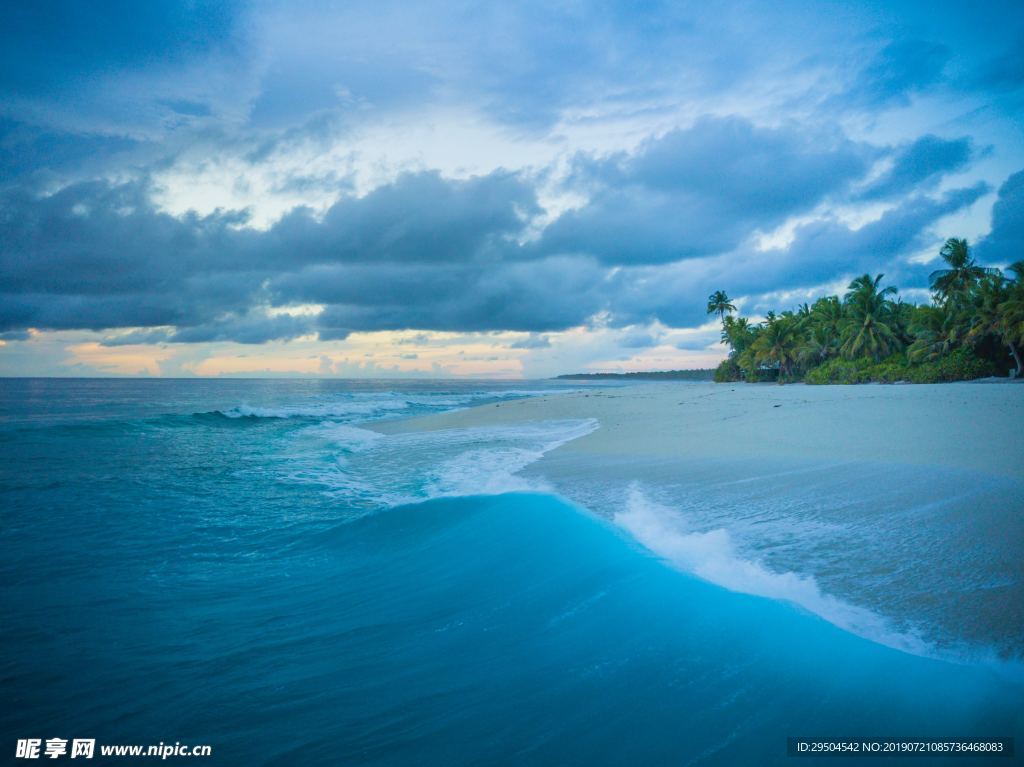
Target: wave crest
[713,556]
[369,406]
[371,470]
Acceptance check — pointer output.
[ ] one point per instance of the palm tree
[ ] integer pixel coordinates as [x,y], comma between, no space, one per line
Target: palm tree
[955,282]
[868,328]
[902,317]
[736,333]
[778,343]
[825,325]
[936,333]
[719,303]
[1011,313]
[989,316]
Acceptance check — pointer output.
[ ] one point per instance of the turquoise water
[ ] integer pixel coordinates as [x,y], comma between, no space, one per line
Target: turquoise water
[226,563]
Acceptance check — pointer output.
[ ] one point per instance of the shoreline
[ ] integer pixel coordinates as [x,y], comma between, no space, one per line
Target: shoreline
[878,508]
[959,425]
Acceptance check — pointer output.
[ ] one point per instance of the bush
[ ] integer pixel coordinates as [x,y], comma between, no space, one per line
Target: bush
[960,365]
[728,371]
[839,371]
[889,372]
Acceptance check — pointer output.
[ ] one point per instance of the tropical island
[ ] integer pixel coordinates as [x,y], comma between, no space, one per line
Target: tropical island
[973,328]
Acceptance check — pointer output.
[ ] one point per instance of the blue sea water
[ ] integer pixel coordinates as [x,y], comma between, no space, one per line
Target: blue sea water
[240,564]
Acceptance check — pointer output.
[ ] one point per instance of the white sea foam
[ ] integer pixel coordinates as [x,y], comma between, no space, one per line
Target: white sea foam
[365,406]
[713,556]
[320,409]
[494,470]
[348,438]
[368,469]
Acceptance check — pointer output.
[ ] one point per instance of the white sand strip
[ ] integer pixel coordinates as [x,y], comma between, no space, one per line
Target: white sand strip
[964,426]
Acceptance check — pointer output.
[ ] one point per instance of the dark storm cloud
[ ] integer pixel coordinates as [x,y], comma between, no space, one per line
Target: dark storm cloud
[426,252]
[421,252]
[95,238]
[922,162]
[96,255]
[1005,243]
[247,329]
[821,251]
[900,70]
[824,249]
[417,218]
[701,191]
[27,150]
[544,295]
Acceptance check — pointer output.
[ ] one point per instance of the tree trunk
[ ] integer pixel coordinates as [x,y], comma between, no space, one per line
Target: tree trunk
[1016,358]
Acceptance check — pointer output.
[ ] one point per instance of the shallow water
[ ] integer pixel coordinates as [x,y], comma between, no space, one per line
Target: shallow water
[239,563]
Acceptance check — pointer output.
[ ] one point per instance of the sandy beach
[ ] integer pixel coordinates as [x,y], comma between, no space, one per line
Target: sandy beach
[892,511]
[960,426]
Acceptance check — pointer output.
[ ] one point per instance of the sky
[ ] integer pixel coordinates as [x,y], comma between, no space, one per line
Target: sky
[509,190]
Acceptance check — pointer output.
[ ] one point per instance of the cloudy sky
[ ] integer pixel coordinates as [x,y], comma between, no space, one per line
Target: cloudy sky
[480,189]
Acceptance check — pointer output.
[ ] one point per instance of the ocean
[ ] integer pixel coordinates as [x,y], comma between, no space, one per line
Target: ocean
[242,564]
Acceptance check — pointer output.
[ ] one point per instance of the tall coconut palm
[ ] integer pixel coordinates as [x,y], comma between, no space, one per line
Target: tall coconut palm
[955,282]
[868,327]
[719,303]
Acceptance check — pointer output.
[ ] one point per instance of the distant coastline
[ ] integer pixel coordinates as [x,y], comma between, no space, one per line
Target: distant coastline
[651,375]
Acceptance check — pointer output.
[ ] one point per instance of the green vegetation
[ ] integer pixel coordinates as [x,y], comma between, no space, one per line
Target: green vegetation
[973,328]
